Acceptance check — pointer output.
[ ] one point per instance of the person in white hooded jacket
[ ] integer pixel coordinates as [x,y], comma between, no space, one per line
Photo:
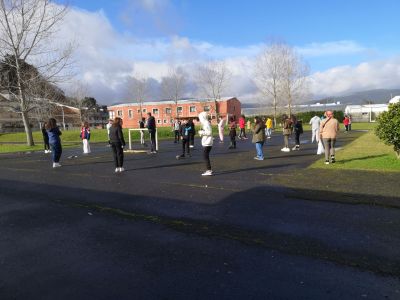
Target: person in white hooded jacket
[206,141]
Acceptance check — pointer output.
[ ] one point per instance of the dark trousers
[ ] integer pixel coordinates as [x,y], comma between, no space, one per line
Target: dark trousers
[297,137]
[46,144]
[185,146]
[153,139]
[191,136]
[206,155]
[177,136]
[233,140]
[56,151]
[118,154]
[346,127]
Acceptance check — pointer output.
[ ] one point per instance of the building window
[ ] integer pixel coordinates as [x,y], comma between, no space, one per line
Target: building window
[234,108]
[179,109]
[130,114]
[165,121]
[119,113]
[111,114]
[144,110]
[158,121]
[168,111]
[138,111]
[206,108]
[192,109]
[171,121]
[155,111]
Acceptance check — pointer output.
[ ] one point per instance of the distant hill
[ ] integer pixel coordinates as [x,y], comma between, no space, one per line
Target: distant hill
[363,97]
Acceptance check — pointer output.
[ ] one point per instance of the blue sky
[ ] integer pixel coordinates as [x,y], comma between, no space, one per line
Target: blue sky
[371,24]
[338,39]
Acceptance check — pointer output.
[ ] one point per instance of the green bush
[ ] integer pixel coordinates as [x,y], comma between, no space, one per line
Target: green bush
[388,128]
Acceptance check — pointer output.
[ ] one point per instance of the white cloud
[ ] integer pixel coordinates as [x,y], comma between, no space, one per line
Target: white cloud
[106,58]
[344,47]
[347,79]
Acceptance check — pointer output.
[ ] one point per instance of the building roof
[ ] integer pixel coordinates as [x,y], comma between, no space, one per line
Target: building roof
[183,101]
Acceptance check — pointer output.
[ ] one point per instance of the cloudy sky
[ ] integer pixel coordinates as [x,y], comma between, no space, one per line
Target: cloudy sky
[349,45]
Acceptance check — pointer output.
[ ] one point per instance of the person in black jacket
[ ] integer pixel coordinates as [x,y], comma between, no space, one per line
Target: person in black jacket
[117,144]
[151,126]
[45,138]
[298,129]
[186,132]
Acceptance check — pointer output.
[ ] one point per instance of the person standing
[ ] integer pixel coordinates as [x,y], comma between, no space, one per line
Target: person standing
[349,122]
[287,131]
[346,123]
[298,130]
[268,125]
[242,122]
[151,127]
[328,131]
[117,144]
[259,137]
[192,133]
[315,122]
[85,136]
[142,125]
[108,126]
[54,134]
[45,138]
[232,132]
[186,133]
[221,128]
[177,129]
[206,141]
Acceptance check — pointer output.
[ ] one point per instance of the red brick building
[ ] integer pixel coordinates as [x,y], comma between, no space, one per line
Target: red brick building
[166,111]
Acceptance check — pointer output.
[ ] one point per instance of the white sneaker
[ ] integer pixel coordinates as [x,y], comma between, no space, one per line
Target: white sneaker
[46,151]
[285,149]
[207,173]
[121,169]
[116,170]
[56,165]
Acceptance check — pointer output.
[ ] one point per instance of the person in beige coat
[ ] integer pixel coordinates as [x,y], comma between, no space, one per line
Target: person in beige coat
[328,132]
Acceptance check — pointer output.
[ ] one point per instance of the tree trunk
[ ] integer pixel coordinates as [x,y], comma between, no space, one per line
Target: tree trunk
[28,130]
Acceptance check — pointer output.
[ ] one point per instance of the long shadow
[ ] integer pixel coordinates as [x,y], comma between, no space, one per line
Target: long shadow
[266,167]
[142,208]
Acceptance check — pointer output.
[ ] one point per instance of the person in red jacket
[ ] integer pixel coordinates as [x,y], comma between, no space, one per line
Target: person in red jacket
[346,121]
[242,126]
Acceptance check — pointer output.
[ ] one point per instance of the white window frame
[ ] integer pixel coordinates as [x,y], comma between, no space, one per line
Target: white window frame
[207,108]
[154,111]
[168,110]
[120,113]
[177,110]
[190,109]
[130,113]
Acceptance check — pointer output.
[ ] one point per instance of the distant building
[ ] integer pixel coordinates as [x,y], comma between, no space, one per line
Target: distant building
[166,111]
[395,99]
[365,113]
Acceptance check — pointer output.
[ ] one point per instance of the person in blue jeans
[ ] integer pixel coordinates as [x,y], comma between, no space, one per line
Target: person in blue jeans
[54,134]
[259,137]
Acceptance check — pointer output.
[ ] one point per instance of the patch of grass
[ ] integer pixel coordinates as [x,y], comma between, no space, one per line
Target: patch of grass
[365,153]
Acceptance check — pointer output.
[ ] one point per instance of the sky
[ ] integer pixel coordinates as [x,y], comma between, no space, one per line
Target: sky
[349,45]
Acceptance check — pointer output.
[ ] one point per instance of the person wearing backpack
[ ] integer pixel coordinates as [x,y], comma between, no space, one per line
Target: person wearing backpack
[287,131]
[298,130]
[186,133]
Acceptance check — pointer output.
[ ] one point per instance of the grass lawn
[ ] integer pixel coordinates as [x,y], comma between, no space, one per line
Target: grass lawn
[365,153]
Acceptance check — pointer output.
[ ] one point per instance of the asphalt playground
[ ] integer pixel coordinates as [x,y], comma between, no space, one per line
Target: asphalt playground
[160,230]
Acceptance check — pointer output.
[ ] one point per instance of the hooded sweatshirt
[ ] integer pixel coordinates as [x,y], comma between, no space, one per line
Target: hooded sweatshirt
[206,130]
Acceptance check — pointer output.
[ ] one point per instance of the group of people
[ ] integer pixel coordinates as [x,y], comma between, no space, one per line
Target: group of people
[324,131]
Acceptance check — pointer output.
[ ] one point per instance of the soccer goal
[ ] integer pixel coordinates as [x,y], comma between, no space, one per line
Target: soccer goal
[141,131]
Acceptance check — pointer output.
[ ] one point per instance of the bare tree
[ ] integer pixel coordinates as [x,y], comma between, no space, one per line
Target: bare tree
[269,74]
[213,78]
[173,86]
[294,80]
[27,32]
[138,89]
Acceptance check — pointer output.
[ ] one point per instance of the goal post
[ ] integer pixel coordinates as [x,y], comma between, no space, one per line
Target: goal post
[144,130]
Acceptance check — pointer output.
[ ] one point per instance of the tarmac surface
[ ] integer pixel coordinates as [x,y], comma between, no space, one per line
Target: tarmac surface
[162,231]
